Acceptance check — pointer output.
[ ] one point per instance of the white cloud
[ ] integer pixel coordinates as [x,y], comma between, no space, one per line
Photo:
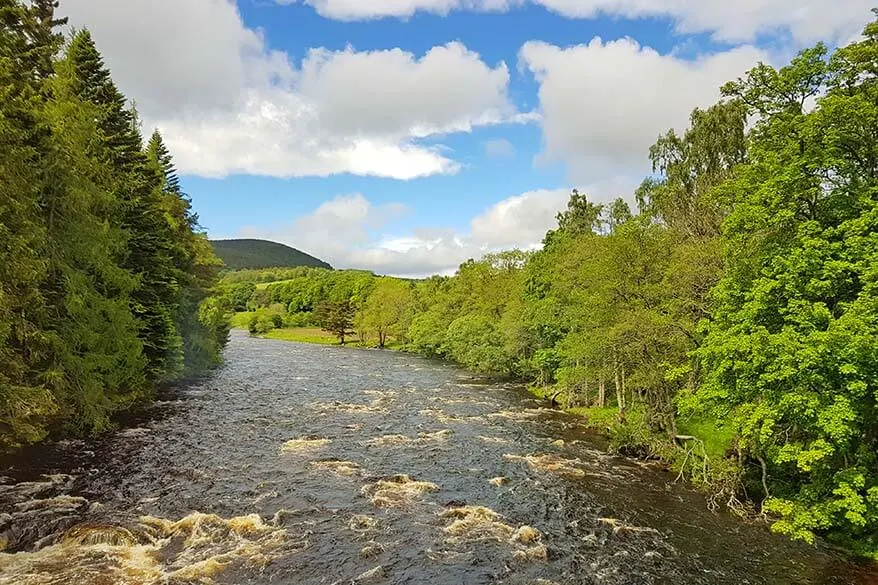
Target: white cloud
[266,138]
[391,93]
[172,56]
[805,20]
[499,148]
[603,104]
[350,232]
[334,228]
[521,220]
[372,9]
[229,104]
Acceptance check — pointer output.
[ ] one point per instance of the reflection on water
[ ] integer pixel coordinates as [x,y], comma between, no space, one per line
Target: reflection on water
[308,464]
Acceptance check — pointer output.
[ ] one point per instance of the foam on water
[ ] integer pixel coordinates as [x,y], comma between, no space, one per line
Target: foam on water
[155,551]
[398,490]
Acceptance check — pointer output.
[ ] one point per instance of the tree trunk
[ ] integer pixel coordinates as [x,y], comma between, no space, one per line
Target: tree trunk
[620,389]
[602,392]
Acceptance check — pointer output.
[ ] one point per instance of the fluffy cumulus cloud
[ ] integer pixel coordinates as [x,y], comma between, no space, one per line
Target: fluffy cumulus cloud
[804,20]
[351,232]
[229,104]
[604,103]
[519,221]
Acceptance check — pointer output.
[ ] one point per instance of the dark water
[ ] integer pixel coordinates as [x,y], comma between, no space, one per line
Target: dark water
[389,483]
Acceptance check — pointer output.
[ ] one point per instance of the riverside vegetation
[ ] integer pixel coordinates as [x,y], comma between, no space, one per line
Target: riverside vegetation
[729,326]
[104,272]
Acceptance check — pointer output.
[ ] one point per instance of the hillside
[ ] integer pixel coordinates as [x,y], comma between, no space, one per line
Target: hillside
[247,253]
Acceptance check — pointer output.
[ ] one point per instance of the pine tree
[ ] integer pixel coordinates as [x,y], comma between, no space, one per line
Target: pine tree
[25,402]
[203,333]
[44,41]
[150,251]
[98,349]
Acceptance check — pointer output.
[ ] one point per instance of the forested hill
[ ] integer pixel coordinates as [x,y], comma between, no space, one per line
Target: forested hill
[248,254]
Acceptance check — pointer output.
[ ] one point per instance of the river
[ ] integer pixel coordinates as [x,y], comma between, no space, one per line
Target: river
[303,464]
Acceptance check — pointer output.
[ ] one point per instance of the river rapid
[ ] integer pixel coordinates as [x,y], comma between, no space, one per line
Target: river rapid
[302,464]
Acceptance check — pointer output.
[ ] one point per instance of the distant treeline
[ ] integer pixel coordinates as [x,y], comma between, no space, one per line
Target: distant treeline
[731,323]
[103,269]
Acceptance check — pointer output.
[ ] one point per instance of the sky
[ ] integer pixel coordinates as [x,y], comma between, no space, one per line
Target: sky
[406,136]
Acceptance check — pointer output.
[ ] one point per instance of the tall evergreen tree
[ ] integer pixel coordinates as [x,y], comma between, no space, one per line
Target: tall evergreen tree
[196,263]
[25,401]
[150,252]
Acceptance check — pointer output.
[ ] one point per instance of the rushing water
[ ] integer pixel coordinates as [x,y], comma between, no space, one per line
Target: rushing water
[301,464]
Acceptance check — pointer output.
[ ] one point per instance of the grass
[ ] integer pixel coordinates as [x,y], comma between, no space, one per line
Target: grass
[597,417]
[316,335]
[303,335]
[717,439]
[321,337]
[263,285]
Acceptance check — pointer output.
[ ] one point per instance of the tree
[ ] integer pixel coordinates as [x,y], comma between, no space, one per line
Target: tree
[387,309]
[196,264]
[791,348]
[26,404]
[336,317]
[150,252]
[580,217]
[691,167]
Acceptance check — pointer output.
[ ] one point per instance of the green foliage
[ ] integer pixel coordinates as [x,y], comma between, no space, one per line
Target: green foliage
[388,310]
[236,295]
[103,276]
[474,341]
[301,319]
[257,254]
[791,348]
[303,335]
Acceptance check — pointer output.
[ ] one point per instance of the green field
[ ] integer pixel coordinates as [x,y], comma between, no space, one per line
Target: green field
[303,335]
[263,285]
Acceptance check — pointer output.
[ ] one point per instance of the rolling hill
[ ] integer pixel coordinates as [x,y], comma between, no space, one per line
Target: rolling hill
[247,253]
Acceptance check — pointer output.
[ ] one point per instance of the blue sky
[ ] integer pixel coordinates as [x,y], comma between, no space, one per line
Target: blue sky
[405,136]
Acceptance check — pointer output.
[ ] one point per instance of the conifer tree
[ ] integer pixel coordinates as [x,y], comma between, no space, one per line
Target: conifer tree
[150,254]
[196,262]
[25,402]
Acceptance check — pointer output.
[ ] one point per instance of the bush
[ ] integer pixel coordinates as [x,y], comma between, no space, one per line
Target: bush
[303,319]
[263,321]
